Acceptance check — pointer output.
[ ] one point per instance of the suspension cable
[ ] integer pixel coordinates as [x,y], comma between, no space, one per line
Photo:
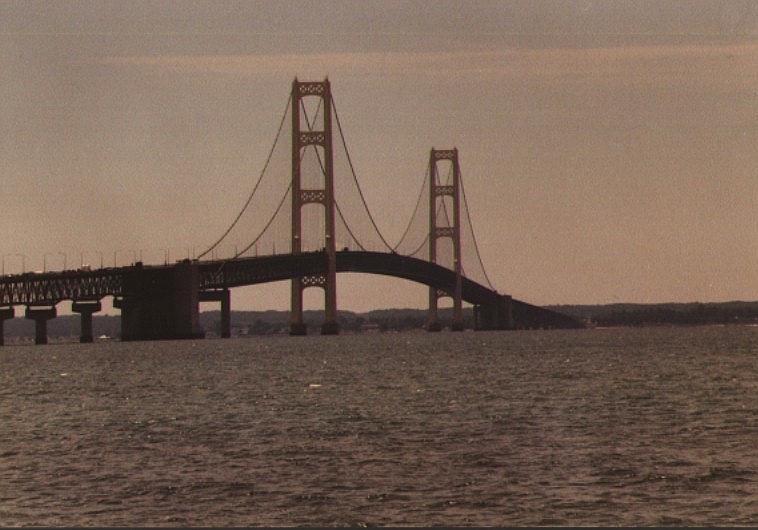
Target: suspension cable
[444,206]
[426,238]
[421,246]
[255,188]
[440,208]
[284,197]
[473,234]
[415,210]
[355,178]
[271,220]
[308,122]
[289,187]
[337,205]
[323,171]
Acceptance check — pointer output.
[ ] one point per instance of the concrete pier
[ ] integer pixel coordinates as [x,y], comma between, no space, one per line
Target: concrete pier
[330,328]
[6,313]
[298,328]
[223,296]
[498,315]
[160,303]
[86,308]
[40,315]
[434,326]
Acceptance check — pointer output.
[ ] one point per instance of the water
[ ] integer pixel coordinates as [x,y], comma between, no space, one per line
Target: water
[592,427]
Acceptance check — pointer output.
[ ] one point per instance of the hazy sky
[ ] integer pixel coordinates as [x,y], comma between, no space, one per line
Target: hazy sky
[608,148]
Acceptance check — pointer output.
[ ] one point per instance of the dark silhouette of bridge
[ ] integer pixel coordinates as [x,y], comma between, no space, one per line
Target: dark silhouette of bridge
[162,301]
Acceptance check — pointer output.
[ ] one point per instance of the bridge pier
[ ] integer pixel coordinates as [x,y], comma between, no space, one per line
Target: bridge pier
[160,303]
[330,328]
[298,329]
[327,328]
[40,315]
[433,326]
[86,308]
[498,315]
[6,313]
[223,296]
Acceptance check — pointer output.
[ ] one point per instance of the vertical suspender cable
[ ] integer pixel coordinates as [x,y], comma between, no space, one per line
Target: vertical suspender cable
[473,235]
[255,188]
[355,178]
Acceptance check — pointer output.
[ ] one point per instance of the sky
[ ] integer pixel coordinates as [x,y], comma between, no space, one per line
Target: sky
[608,147]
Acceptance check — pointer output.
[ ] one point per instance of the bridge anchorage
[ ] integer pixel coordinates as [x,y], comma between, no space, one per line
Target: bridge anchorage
[321,226]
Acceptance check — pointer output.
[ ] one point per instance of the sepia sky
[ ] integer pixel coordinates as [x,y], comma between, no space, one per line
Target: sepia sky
[609,148]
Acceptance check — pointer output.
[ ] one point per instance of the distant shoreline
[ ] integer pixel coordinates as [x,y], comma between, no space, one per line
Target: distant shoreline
[253,323]
[662,314]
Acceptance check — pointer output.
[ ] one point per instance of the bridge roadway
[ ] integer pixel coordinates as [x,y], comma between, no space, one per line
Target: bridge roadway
[83,286]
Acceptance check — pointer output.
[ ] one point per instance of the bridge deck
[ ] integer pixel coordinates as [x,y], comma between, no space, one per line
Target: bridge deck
[51,288]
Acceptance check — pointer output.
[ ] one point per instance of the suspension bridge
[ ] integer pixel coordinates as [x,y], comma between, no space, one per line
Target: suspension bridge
[305,220]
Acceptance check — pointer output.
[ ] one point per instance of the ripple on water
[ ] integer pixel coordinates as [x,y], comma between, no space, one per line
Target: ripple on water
[595,427]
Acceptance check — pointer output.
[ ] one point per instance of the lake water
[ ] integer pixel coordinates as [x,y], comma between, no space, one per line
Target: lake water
[650,426]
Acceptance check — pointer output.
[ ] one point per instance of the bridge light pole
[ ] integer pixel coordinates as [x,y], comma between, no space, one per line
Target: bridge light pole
[23,261]
[64,259]
[115,256]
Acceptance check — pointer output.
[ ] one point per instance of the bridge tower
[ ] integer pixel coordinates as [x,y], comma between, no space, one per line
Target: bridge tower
[324,196]
[437,192]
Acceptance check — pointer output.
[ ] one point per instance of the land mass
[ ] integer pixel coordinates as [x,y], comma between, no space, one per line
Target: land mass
[250,323]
